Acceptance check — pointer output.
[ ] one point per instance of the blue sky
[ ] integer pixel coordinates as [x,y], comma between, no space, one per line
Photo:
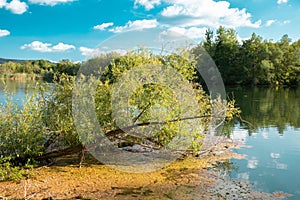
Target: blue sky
[72,29]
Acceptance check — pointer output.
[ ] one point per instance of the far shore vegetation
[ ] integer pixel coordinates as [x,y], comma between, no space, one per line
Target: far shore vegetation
[250,62]
[36,69]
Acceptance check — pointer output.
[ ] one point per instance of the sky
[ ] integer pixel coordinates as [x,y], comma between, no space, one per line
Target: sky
[73,29]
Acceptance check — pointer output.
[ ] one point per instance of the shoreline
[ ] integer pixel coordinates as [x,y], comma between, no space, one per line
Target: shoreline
[190,178]
[21,77]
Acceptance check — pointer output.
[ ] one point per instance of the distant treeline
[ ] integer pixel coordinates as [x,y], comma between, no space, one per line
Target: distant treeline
[253,61]
[37,69]
[3,60]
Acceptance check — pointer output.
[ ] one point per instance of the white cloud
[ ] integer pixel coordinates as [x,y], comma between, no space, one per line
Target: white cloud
[265,135]
[286,22]
[275,155]
[89,52]
[239,135]
[38,46]
[281,1]
[47,47]
[281,166]
[252,164]
[60,47]
[270,22]
[103,26]
[240,40]
[18,7]
[192,32]
[2,3]
[147,4]
[49,2]
[135,25]
[207,13]
[15,6]
[278,165]
[244,176]
[4,33]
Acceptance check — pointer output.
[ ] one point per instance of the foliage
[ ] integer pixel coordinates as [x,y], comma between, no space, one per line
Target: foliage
[9,171]
[40,68]
[44,119]
[57,112]
[151,102]
[269,107]
[21,128]
[22,136]
[170,105]
[253,61]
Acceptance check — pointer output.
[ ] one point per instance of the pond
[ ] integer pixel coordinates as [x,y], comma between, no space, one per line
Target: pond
[271,136]
[18,90]
[272,139]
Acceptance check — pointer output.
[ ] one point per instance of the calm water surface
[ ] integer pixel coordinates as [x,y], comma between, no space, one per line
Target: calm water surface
[18,89]
[273,135]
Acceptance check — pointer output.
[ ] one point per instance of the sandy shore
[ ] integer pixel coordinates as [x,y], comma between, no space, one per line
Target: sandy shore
[184,179]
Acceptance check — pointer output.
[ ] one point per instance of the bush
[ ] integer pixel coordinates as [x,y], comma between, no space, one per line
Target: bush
[22,129]
[46,116]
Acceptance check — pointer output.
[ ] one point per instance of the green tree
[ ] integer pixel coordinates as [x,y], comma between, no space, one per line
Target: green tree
[208,43]
[148,102]
[45,121]
[226,55]
[252,54]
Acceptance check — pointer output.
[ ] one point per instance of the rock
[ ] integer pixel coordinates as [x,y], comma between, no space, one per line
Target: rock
[218,153]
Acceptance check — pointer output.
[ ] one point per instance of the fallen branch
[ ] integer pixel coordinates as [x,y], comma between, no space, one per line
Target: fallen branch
[79,148]
[59,153]
[128,128]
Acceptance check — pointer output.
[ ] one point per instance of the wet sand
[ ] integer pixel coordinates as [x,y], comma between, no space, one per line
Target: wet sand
[183,179]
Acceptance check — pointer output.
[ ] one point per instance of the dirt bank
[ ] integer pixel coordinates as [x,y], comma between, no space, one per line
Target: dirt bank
[185,179]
